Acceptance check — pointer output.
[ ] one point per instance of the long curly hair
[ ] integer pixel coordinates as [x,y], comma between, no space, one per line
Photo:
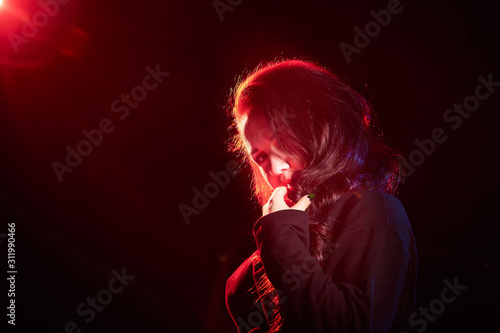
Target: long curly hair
[318,117]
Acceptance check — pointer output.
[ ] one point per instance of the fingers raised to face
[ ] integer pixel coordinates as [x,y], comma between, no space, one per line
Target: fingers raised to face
[303,203]
[279,192]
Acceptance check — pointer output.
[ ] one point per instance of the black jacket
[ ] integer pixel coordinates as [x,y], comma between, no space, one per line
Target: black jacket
[365,284]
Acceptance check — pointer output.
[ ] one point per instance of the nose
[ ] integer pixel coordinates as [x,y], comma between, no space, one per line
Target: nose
[278,166]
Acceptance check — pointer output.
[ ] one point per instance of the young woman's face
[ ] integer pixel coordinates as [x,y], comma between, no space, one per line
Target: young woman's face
[276,165]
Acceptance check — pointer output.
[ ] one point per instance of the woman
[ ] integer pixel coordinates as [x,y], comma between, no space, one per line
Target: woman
[335,250]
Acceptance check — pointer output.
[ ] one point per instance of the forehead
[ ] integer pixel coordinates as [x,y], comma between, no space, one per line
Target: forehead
[256,130]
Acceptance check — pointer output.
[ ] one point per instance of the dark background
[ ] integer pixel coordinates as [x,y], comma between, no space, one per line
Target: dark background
[120,207]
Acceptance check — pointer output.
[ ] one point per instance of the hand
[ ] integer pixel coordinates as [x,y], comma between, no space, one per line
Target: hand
[277,202]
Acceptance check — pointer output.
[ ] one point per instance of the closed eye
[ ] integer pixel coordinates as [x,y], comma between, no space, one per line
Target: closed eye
[260,158]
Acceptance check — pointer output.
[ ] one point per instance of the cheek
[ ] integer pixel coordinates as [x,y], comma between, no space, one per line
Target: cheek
[297,165]
[264,169]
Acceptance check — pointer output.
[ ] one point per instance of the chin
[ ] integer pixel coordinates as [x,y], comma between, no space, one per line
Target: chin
[278,185]
[288,187]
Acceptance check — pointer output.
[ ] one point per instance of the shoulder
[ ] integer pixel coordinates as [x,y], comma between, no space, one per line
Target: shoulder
[368,208]
[367,202]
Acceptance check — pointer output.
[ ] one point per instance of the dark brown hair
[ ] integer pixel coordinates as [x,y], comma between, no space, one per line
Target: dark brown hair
[318,117]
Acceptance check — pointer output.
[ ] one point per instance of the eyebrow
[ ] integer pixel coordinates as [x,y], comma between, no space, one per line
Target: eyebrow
[254,150]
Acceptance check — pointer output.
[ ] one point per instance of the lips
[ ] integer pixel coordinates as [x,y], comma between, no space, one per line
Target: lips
[285,180]
[281,180]
[278,183]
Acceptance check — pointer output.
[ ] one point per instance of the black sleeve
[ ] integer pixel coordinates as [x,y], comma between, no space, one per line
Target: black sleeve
[362,297]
